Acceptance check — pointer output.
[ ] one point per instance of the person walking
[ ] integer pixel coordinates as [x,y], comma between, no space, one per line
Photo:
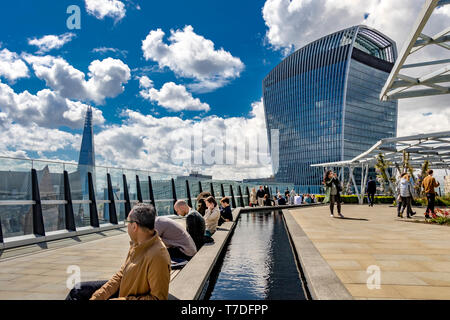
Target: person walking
[332,192]
[371,189]
[406,195]
[429,183]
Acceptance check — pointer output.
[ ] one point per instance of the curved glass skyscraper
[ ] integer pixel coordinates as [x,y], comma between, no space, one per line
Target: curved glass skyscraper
[323,99]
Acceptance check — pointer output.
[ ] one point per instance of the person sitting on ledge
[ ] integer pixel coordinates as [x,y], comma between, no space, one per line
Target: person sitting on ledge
[212,215]
[195,224]
[177,240]
[281,200]
[267,201]
[145,274]
[201,205]
[225,212]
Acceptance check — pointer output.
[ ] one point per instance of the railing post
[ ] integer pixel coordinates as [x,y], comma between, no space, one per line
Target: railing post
[248,195]
[233,201]
[68,207]
[241,197]
[1,232]
[138,188]
[38,220]
[212,189]
[222,190]
[174,193]
[150,190]
[200,189]
[93,214]
[126,195]
[188,194]
[112,204]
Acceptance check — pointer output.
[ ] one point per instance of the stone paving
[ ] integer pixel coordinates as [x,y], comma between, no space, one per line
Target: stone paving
[414,258]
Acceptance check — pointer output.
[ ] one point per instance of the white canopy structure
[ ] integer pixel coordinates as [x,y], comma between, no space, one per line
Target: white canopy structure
[399,85]
[434,147]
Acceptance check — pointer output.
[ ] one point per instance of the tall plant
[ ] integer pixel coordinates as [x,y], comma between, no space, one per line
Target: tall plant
[422,175]
[382,167]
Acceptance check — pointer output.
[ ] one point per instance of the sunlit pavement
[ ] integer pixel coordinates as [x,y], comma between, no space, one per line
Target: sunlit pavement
[413,258]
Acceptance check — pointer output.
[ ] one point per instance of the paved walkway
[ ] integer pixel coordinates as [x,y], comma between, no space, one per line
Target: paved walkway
[414,258]
[43,275]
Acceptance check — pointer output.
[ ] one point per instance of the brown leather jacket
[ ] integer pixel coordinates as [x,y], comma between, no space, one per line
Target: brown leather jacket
[145,275]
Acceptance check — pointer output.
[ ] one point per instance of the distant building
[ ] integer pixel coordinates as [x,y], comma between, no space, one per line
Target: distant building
[195,175]
[324,100]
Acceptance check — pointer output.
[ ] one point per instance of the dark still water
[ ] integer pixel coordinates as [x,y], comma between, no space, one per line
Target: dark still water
[258,263]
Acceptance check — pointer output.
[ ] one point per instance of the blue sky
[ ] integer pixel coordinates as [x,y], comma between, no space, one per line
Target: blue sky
[236,26]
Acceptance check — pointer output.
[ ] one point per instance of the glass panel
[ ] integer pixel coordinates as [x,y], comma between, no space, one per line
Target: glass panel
[51,187]
[162,190]
[54,217]
[143,181]
[15,179]
[131,182]
[101,193]
[16,220]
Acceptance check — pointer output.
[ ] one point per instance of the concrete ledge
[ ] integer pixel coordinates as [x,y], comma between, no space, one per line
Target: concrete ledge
[289,206]
[322,281]
[191,280]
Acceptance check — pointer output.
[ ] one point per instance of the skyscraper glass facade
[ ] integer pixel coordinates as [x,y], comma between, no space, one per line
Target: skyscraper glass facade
[323,99]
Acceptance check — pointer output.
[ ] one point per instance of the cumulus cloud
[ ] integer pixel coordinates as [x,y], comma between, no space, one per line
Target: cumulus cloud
[106,77]
[32,137]
[11,66]
[173,97]
[192,56]
[106,8]
[294,23]
[170,144]
[145,82]
[51,42]
[46,109]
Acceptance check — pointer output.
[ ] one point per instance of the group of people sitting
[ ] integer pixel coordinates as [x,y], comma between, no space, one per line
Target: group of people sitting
[262,198]
[158,244]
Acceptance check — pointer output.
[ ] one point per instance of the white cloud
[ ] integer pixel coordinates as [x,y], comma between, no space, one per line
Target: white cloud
[33,137]
[51,42]
[46,109]
[295,23]
[106,8]
[164,145]
[173,97]
[106,77]
[192,56]
[11,66]
[105,50]
[145,82]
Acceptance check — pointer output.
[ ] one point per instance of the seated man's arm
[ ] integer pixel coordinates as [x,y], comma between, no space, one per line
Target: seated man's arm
[111,287]
[158,278]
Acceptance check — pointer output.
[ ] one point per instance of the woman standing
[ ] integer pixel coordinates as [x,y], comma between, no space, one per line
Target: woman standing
[253,200]
[406,194]
[332,190]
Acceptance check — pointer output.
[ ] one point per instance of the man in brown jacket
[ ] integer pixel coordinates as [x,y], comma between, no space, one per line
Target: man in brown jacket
[429,183]
[145,275]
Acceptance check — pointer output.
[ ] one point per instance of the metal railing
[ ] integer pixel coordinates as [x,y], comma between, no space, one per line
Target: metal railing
[44,200]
